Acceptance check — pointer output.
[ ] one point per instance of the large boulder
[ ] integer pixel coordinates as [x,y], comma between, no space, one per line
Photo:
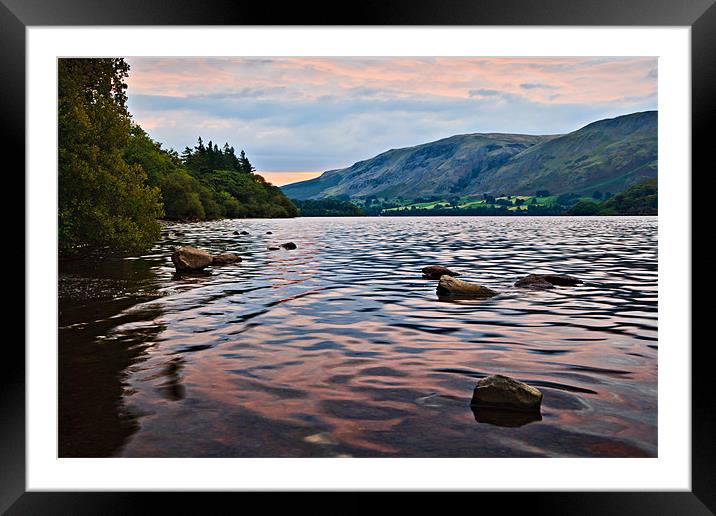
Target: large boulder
[449,286]
[225,258]
[436,271]
[189,258]
[503,392]
[547,281]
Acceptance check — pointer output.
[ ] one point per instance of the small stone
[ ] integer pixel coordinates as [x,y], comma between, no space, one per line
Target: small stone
[503,392]
[269,232]
[289,245]
[436,271]
[244,233]
[323,438]
[547,281]
[225,258]
[449,286]
[272,248]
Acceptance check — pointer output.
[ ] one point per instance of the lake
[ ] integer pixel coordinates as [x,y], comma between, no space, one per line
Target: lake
[340,347]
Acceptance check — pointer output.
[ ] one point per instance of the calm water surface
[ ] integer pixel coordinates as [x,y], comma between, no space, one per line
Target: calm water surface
[340,348]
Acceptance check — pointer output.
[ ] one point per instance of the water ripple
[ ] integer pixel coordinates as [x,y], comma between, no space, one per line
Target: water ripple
[344,339]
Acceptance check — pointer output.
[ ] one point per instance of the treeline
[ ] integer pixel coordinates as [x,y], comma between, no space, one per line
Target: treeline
[115,182]
[206,182]
[639,199]
[327,208]
[476,211]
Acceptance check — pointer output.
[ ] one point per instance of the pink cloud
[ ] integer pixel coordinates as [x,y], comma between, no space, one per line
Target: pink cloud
[565,80]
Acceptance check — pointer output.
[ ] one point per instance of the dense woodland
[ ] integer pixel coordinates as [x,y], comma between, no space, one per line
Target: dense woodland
[327,208]
[115,182]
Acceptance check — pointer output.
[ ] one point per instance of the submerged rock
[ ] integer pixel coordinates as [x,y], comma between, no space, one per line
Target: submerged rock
[436,271]
[323,438]
[449,286]
[189,258]
[505,418]
[547,281]
[289,245]
[225,258]
[503,392]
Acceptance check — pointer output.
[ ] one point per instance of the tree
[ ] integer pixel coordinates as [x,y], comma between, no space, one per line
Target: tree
[584,208]
[104,203]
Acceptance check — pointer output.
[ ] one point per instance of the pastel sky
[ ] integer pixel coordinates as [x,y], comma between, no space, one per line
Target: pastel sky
[296,117]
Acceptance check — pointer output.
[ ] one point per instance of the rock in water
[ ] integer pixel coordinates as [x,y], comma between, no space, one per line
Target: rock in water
[449,286]
[189,258]
[225,258]
[503,392]
[289,245]
[322,438]
[269,232]
[244,232]
[562,280]
[436,271]
[547,281]
[273,248]
[506,418]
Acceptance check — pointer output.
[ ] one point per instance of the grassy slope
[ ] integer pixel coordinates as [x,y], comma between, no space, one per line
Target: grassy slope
[609,155]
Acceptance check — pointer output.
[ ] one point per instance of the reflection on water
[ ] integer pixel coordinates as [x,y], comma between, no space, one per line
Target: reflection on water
[341,348]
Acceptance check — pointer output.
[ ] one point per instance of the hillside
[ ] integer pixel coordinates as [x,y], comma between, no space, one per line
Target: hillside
[608,155]
[444,167]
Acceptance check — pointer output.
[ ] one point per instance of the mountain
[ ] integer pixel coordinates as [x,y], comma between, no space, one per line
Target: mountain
[608,155]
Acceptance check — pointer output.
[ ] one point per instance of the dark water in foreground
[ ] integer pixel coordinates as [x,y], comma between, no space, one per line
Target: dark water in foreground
[340,348]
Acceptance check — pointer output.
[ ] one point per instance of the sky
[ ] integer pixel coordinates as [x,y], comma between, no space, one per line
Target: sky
[298,117]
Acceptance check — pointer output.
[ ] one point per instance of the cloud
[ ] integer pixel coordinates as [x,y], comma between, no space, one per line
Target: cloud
[484,93]
[537,86]
[298,114]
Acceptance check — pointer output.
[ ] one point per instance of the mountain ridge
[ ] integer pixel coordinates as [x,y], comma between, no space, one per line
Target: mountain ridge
[611,154]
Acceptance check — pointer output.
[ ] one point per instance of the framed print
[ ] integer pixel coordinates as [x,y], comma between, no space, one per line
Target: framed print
[414,249]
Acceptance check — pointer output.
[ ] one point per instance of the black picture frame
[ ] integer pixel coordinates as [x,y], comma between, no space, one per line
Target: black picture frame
[700,15]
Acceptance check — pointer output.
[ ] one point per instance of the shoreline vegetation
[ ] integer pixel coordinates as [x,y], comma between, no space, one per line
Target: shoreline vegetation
[639,199]
[116,183]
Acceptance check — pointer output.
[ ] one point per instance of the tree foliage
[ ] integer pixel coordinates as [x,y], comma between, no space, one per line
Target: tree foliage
[207,182]
[104,202]
[328,208]
[639,199]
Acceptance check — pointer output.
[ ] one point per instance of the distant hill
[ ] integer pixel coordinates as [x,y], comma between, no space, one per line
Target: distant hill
[608,155]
